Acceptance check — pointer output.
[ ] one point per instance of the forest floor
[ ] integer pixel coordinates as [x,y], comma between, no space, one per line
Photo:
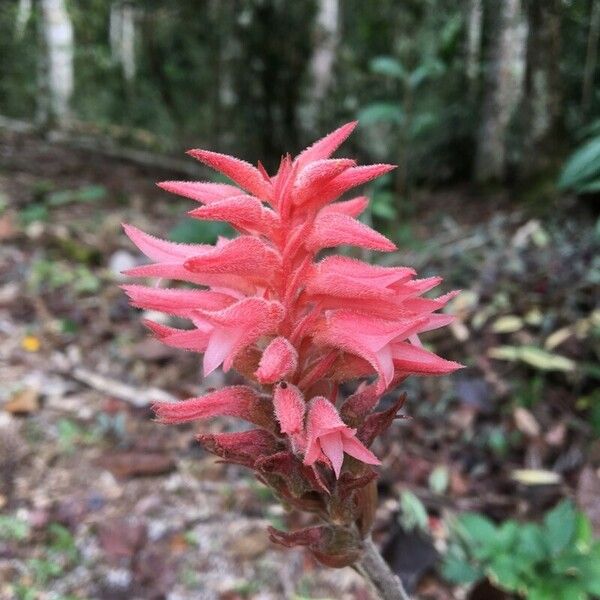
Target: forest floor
[99,502]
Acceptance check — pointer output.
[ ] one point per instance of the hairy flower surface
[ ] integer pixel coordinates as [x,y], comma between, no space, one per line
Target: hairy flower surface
[295,324]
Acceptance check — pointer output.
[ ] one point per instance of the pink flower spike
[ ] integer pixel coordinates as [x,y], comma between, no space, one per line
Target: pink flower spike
[328,436]
[278,361]
[200,191]
[289,408]
[241,172]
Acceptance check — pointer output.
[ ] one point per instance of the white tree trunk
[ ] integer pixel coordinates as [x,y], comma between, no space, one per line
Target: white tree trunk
[58,36]
[326,41]
[504,89]
[122,37]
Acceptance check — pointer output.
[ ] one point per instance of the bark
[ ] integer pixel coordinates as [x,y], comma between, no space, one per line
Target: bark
[504,87]
[326,41]
[542,110]
[379,575]
[591,59]
[57,74]
[122,37]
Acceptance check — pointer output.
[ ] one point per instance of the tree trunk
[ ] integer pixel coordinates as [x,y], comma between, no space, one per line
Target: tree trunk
[122,37]
[542,110]
[504,87]
[326,41]
[57,74]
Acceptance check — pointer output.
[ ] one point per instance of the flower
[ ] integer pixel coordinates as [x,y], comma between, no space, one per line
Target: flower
[294,324]
[328,437]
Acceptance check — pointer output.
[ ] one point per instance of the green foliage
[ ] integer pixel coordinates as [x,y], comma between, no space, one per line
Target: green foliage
[581,172]
[52,275]
[555,559]
[13,528]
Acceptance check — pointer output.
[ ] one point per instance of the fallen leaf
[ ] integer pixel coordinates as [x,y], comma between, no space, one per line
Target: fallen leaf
[557,338]
[23,402]
[249,545]
[526,423]
[535,357]
[507,324]
[535,477]
[132,464]
[120,538]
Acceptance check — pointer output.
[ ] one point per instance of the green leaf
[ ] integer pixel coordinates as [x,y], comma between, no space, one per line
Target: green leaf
[389,67]
[533,356]
[559,526]
[504,572]
[530,546]
[460,571]
[438,479]
[582,168]
[476,529]
[382,112]
[413,514]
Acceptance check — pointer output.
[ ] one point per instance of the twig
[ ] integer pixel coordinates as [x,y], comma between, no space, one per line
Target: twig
[136,396]
[377,572]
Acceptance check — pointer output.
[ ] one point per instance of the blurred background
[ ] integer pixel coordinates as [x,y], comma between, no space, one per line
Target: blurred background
[490,109]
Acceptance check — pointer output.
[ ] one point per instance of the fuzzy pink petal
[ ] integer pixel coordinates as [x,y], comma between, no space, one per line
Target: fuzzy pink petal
[289,408]
[201,191]
[354,448]
[412,359]
[162,250]
[352,208]
[178,302]
[220,346]
[194,340]
[351,178]
[235,401]
[246,256]
[238,326]
[332,447]
[326,146]
[241,172]
[245,213]
[311,179]
[278,361]
[375,275]
[332,229]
